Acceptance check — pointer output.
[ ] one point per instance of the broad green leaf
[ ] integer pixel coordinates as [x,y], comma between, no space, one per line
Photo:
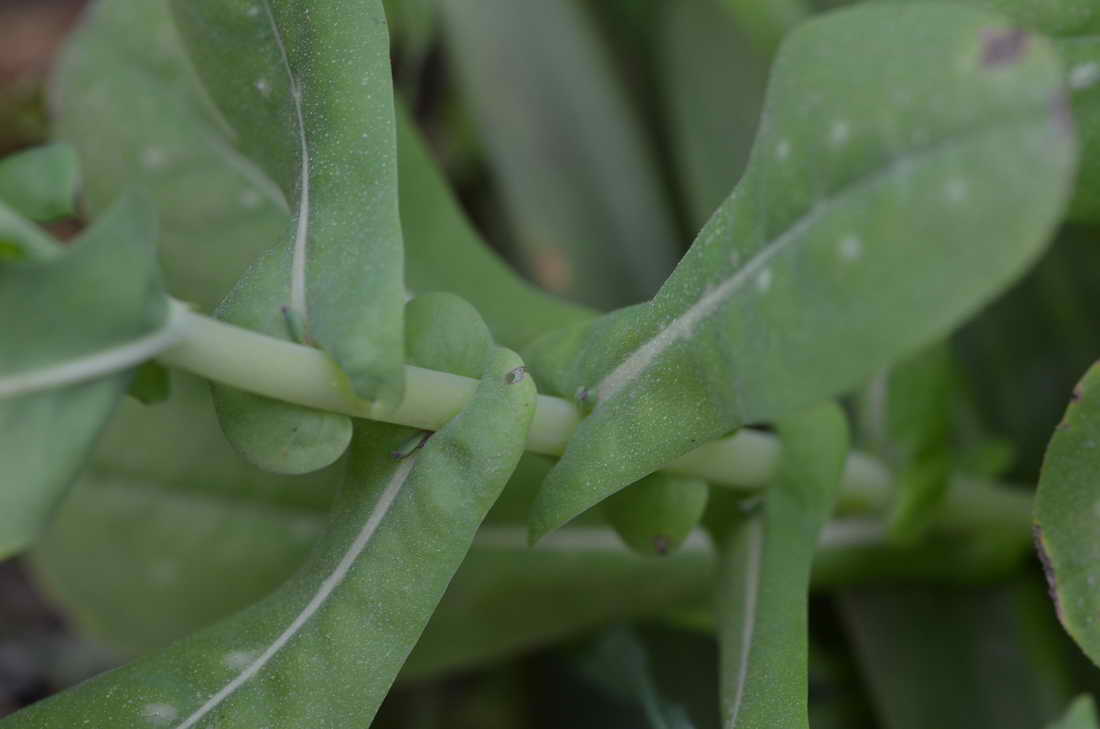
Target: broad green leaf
[712,89]
[307,91]
[1075,26]
[764,577]
[41,183]
[142,554]
[100,302]
[125,96]
[576,176]
[1081,714]
[834,242]
[292,87]
[655,515]
[274,435]
[168,529]
[957,659]
[444,332]
[324,649]
[127,100]
[1066,511]
[618,662]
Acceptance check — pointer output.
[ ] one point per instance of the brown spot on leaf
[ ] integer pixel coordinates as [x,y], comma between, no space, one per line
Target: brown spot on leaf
[1001,46]
[515,375]
[661,544]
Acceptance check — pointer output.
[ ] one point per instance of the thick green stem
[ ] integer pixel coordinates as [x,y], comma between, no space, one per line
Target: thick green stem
[286,371]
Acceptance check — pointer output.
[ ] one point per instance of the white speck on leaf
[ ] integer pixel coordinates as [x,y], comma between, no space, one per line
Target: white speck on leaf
[783,150]
[153,158]
[159,714]
[764,280]
[250,199]
[1084,75]
[254,11]
[239,660]
[839,133]
[957,190]
[263,86]
[851,248]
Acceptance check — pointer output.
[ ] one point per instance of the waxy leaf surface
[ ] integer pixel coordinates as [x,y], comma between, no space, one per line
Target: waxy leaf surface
[101,296]
[125,96]
[764,577]
[324,649]
[893,190]
[307,92]
[1067,509]
[127,99]
[1075,27]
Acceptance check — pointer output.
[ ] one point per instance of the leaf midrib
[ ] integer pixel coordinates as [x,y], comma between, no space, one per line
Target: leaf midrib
[639,361]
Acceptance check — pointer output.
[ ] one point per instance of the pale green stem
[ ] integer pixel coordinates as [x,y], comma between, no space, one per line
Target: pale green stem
[294,373]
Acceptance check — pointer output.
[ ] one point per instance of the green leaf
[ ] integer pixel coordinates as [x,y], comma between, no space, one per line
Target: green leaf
[814,256]
[1066,511]
[168,529]
[444,332]
[126,98]
[272,434]
[1075,26]
[656,515]
[41,183]
[96,310]
[128,102]
[307,91]
[577,178]
[957,659]
[764,577]
[1081,714]
[338,632]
